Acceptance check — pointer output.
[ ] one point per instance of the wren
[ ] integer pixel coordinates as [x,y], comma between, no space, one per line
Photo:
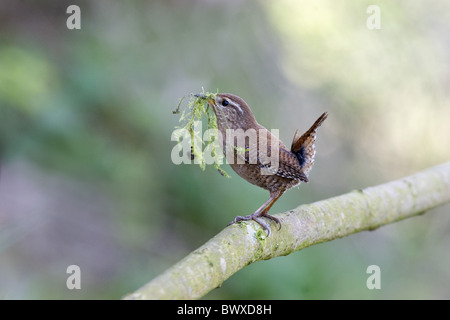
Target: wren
[293,165]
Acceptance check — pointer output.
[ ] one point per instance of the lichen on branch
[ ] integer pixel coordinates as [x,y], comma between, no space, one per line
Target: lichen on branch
[242,243]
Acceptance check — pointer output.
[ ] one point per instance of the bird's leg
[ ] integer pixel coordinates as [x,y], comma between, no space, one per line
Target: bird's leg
[274,196]
[262,212]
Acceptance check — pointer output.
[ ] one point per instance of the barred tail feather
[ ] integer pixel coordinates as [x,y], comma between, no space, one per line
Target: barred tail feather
[303,146]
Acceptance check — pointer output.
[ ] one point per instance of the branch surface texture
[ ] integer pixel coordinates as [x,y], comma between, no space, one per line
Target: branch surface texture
[243,243]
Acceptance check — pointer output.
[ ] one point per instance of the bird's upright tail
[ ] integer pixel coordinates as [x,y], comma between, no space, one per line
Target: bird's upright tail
[303,146]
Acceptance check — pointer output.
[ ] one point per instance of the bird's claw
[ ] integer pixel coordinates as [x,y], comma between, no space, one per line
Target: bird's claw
[257,219]
[276,220]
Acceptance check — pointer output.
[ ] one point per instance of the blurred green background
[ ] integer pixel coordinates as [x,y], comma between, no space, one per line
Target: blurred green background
[86,119]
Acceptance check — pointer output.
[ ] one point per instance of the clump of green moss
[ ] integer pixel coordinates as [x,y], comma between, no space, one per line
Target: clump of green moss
[194,110]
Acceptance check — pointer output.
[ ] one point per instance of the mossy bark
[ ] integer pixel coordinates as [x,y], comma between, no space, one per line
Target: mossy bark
[243,243]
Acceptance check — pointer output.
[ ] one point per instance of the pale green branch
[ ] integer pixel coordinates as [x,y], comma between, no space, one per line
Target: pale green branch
[241,244]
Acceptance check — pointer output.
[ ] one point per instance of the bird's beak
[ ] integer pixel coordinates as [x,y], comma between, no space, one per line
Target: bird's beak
[203,96]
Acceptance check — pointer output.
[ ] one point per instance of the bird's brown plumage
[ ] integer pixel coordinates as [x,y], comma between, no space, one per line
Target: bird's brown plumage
[294,164]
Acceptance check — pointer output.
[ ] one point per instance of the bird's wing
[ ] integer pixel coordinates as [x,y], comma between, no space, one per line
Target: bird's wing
[286,166]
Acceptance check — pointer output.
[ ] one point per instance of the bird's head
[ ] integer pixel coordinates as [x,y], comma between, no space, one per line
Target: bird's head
[232,112]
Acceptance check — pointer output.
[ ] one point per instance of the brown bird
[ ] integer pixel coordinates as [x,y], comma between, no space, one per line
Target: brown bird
[251,160]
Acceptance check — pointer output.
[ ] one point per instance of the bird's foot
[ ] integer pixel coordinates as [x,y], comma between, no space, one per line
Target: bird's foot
[257,218]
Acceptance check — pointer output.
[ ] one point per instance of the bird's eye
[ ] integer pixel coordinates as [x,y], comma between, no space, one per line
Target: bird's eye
[225,103]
